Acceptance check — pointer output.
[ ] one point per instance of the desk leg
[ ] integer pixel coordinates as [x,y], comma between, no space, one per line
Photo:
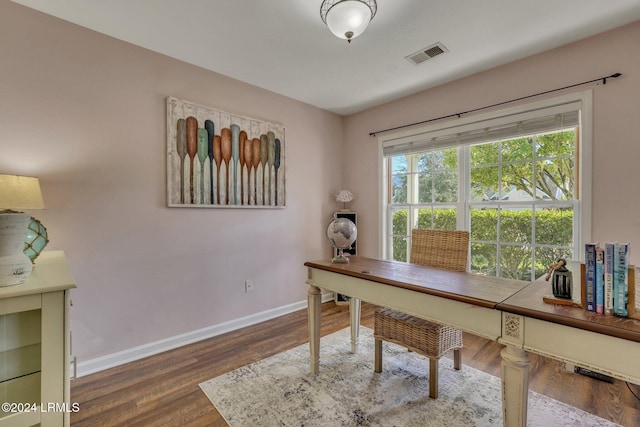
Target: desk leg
[515,386]
[314,307]
[354,320]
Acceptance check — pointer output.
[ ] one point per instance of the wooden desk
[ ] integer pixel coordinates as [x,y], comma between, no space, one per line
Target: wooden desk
[603,343]
[493,308]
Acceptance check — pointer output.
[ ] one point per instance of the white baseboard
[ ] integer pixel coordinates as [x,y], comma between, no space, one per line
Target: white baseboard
[125,356]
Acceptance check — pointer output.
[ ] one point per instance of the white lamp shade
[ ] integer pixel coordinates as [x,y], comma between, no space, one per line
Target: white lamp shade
[351,16]
[20,192]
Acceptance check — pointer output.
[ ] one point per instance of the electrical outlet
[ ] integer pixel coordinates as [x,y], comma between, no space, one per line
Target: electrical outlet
[248,285]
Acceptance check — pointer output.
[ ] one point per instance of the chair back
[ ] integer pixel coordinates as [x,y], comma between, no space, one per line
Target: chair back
[448,249]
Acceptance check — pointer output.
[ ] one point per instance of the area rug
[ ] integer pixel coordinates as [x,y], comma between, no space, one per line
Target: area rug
[280,391]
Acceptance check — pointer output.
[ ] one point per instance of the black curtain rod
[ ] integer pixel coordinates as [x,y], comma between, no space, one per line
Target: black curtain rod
[603,79]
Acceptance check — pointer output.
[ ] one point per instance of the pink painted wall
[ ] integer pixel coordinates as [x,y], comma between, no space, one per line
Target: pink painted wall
[86,114]
[616,147]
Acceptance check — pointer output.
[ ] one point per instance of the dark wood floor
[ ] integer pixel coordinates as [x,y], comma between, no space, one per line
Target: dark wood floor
[163,390]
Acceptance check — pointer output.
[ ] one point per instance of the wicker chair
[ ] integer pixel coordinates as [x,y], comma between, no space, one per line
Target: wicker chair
[447,249]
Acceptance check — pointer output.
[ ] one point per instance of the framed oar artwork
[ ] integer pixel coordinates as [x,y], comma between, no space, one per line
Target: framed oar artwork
[217,159]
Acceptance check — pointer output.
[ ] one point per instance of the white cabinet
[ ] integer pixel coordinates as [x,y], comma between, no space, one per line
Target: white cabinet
[34,346]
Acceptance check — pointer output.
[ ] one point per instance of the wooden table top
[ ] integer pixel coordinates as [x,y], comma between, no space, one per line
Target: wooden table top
[528,302]
[466,287]
[511,296]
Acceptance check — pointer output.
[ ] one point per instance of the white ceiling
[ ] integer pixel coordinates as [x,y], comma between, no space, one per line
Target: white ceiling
[283,46]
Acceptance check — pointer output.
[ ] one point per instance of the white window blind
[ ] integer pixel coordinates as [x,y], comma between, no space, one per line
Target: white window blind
[494,129]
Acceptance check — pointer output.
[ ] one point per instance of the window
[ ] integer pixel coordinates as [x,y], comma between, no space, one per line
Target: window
[512,178]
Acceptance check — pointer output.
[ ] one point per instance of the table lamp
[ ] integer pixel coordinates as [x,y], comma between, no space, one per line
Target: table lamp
[16,192]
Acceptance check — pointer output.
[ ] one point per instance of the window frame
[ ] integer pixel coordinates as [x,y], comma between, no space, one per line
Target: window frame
[584,158]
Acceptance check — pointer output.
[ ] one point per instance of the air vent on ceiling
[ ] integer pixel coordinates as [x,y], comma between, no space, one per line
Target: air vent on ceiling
[426,53]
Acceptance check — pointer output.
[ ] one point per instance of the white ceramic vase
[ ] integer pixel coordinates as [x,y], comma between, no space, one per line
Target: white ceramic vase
[15,265]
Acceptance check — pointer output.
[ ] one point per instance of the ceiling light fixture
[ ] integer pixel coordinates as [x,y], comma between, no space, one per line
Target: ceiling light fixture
[347,19]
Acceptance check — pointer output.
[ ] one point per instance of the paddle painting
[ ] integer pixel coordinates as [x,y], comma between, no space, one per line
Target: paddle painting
[220,160]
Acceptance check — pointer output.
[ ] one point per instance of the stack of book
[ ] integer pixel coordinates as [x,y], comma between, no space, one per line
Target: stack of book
[607,278]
